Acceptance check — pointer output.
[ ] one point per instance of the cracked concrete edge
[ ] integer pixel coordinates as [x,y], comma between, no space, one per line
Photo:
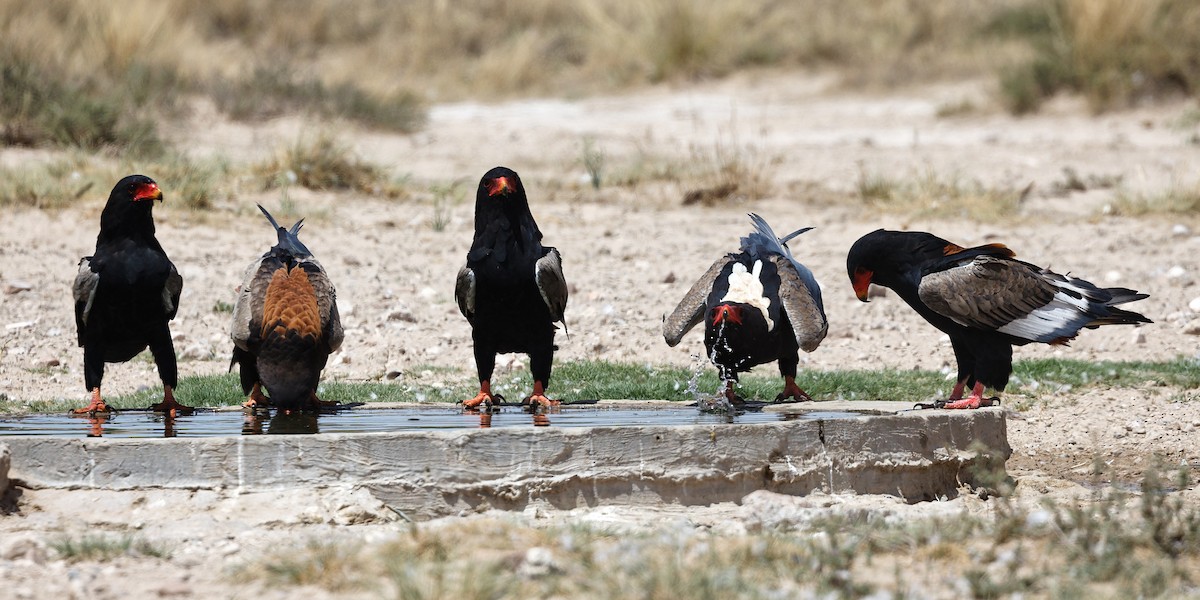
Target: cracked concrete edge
[919,455]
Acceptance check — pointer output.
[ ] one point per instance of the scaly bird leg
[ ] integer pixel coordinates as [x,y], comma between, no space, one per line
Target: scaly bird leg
[256,398]
[483,397]
[539,396]
[97,405]
[957,392]
[169,405]
[972,402]
[791,390]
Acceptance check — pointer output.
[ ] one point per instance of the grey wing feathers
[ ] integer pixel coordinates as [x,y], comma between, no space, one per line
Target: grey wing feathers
[331,321]
[802,303]
[551,283]
[464,292]
[986,293]
[84,293]
[247,312]
[690,310]
[764,241]
[171,293]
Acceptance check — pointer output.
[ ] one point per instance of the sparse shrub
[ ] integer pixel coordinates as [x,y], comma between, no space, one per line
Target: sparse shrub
[52,185]
[324,163]
[39,107]
[99,547]
[593,161]
[1177,199]
[1114,52]
[195,184]
[932,194]
[274,89]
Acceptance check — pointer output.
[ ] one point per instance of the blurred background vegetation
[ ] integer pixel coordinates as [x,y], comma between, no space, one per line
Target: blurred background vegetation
[79,73]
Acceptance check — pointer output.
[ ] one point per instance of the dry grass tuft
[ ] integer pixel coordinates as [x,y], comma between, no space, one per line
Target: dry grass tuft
[1177,200]
[1114,52]
[324,163]
[929,194]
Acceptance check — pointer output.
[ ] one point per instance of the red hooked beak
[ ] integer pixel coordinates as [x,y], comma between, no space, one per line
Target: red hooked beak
[148,191]
[729,313]
[499,185]
[862,282]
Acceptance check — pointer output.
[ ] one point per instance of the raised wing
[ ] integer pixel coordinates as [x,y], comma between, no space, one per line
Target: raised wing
[801,300]
[690,310]
[464,292]
[548,274]
[84,293]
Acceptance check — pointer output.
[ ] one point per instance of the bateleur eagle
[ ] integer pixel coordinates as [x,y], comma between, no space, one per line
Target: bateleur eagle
[127,292]
[285,324]
[512,289]
[984,299]
[758,305]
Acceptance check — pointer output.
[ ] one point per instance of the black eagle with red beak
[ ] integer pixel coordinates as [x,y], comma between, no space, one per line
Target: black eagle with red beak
[986,300]
[512,289]
[127,292]
[758,305]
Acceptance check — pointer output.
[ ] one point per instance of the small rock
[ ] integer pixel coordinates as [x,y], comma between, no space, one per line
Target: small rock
[27,548]
[401,313]
[1112,276]
[1181,230]
[670,278]
[196,352]
[20,325]
[539,561]
[1194,305]
[16,287]
[1136,427]
[1176,272]
[391,375]
[427,293]
[1191,328]
[1138,337]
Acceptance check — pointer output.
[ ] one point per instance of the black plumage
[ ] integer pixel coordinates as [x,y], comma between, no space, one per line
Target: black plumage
[512,289]
[285,324]
[758,305]
[127,292]
[986,300]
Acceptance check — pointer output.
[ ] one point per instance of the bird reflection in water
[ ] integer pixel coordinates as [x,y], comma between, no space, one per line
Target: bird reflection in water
[540,414]
[283,423]
[96,421]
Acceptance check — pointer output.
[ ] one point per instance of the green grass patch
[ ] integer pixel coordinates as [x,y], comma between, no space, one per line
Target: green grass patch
[603,380]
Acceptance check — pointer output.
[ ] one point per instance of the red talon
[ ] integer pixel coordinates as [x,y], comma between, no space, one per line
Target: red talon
[484,395]
[97,405]
[791,390]
[539,396]
[169,405]
[257,399]
[967,403]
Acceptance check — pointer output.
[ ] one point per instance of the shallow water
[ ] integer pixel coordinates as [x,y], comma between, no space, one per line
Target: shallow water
[141,424]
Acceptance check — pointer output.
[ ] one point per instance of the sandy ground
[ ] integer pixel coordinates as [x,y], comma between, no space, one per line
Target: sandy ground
[629,254]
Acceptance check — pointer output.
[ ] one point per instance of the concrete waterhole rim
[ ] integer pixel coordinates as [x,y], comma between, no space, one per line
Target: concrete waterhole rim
[917,455]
